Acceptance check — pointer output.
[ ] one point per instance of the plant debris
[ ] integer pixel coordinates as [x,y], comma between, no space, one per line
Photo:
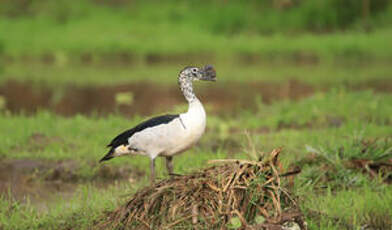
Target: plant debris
[236,194]
[371,157]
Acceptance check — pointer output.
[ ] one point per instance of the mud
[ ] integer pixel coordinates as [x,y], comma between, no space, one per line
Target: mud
[42,181]
[22,97]
[101,100]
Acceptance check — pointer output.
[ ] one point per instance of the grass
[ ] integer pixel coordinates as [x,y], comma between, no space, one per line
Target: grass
[323,109]
[348,209]
[365,116]
[65,30]
[320,75]
[54,41]
[84,207]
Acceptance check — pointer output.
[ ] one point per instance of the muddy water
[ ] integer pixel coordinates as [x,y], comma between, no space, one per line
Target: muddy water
[22,97]
[20,178]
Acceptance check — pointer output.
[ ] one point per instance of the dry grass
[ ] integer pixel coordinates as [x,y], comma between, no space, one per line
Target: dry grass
[249,194]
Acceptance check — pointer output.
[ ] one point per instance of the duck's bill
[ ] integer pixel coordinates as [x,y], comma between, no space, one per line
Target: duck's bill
[209,73]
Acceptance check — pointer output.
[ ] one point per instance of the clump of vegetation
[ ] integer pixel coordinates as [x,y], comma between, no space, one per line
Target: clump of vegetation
[351,164]
[237,193]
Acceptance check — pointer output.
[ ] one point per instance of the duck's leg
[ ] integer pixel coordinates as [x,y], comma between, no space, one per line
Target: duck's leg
[169,165]
[152,171]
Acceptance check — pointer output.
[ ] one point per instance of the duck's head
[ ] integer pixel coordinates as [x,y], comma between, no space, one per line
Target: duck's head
[206,73]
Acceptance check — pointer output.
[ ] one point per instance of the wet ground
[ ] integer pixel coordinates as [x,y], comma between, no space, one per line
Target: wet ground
[130,99]
[40,182]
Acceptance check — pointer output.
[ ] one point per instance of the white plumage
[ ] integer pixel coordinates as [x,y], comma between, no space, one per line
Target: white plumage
[171,138]
[167,135]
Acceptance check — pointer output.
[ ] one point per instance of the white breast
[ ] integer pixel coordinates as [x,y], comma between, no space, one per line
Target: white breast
[194,122]
[174,137]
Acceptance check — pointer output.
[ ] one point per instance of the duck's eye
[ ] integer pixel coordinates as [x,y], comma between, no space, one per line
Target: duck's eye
[194,70]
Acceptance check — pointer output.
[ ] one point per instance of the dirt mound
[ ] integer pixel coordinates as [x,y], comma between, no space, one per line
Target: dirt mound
[239,194]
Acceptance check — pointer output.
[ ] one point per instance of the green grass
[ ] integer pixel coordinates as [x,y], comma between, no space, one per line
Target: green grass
[75,40]
[333,204]
[323,109]
[65,30]
[86,206]
[320,76]
[350,209]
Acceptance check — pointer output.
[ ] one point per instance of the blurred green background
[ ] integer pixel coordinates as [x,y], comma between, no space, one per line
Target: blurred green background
[87,45]
[314,76]
[64,30]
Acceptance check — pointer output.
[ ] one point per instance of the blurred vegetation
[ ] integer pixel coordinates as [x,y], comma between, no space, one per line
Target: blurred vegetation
[55,29]
[102,74]
[218,16]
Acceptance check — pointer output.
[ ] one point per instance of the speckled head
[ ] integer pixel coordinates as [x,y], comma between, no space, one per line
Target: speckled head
[207,73]
[190,74]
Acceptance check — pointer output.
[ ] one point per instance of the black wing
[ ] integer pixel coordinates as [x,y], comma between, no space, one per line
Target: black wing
[155,121]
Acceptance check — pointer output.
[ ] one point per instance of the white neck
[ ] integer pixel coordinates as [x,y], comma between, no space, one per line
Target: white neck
[195,105]
[196,114]
[186,87]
